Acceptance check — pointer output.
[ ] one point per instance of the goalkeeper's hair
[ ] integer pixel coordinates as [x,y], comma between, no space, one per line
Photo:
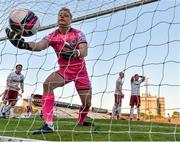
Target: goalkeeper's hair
[67,10]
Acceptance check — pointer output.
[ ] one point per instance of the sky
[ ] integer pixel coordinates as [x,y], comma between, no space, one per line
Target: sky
[143,40]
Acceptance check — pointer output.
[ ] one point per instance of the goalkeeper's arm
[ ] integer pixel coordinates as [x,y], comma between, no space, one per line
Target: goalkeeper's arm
[20,43]
[83,48]
[82,51]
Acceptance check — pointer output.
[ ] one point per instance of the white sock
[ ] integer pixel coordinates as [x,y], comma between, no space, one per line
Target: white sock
[131,112]
[12,111]
[119,111]
[6,108]
[114,110]
[1,108]
[138,113]
[50,124]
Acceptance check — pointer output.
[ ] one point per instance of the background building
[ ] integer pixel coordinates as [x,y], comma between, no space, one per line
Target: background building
[152,105]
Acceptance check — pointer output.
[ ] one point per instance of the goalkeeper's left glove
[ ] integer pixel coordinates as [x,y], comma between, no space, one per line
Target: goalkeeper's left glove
[68,52]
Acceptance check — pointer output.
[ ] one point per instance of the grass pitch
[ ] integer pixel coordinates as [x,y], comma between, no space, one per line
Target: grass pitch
[104,130]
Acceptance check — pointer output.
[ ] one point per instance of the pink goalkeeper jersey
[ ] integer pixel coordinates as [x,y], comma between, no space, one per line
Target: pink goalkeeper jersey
[73,69]
[74,37]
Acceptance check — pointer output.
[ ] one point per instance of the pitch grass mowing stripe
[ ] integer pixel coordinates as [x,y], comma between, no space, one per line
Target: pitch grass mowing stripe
[104,130]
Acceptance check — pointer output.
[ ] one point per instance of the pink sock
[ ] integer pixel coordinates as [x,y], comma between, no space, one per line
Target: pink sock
[82,115]
[47,107]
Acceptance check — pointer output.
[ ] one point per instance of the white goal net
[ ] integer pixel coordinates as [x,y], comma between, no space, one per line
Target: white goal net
[134,36]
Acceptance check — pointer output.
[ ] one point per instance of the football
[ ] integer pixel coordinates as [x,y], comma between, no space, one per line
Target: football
[24,22]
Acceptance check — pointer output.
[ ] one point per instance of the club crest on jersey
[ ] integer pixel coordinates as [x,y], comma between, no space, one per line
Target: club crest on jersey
[73,42]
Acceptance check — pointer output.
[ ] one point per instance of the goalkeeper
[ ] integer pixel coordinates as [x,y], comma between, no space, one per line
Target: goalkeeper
[71,47]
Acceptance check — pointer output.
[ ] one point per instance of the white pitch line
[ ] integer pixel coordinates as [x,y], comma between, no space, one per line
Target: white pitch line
[15,139]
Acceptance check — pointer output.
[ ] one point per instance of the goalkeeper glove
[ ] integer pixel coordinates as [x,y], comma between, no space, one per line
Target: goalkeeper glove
[16,40]
[68,52]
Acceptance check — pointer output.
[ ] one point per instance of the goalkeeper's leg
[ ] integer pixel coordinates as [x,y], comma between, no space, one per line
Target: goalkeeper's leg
[85,96]
[83,87]
[52,82]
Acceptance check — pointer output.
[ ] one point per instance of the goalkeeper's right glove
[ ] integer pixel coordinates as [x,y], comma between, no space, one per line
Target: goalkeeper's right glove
[16,40]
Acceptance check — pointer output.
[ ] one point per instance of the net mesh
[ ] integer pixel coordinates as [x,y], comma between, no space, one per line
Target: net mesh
[131,36]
